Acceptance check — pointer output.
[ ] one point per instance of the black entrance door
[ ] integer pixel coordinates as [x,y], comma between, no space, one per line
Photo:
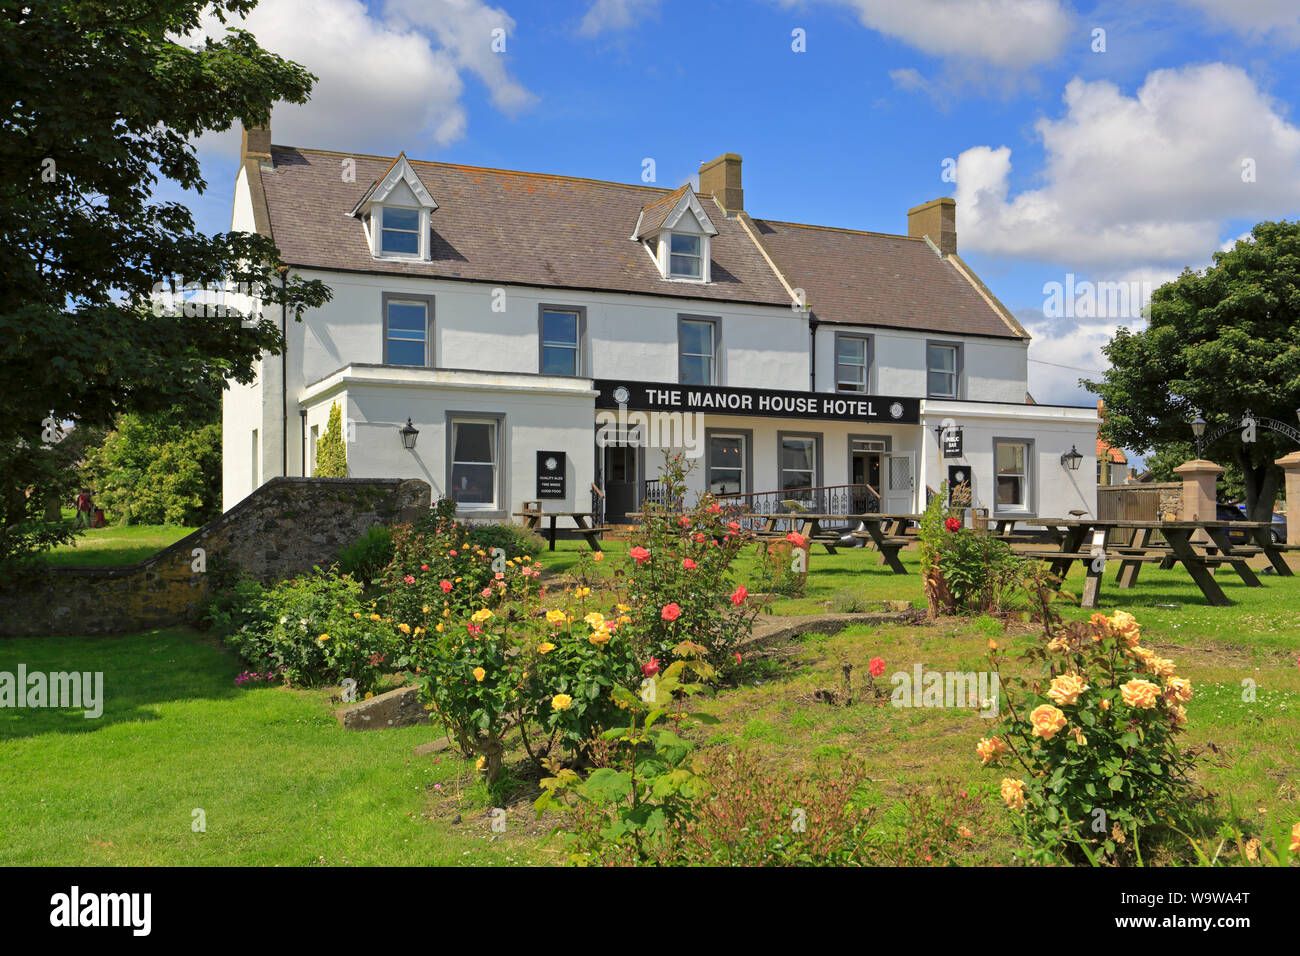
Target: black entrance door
[620,482]
[866,471]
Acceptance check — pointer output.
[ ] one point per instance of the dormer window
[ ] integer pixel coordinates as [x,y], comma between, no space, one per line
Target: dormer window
[400,234]
[395,213]
[676,233]
[684,256]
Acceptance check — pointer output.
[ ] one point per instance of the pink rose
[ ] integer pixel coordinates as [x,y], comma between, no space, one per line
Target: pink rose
[796,539]
[446,586]
[671,612]
[689,565]
[876,666]
[409,579]
[639,554]
[739,595]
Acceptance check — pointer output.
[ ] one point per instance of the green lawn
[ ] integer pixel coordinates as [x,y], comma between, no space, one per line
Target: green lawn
[117,544]
[281,783]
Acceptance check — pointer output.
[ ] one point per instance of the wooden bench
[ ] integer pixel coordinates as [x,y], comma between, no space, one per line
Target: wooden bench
[888,546]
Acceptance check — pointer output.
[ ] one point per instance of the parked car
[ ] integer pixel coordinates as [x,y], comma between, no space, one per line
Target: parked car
[1228,512]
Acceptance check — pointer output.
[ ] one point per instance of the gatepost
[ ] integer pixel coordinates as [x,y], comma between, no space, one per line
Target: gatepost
[1200,492]
[1290,465]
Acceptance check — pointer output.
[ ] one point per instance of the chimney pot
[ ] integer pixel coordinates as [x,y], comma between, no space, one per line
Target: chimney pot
[720,178]
[256,143]
[936,219]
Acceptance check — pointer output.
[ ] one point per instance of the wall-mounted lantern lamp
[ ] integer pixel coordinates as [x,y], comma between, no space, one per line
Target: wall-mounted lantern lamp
[1070,460]
[409,434]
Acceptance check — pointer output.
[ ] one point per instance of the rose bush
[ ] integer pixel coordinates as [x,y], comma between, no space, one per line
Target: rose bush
[1092,742]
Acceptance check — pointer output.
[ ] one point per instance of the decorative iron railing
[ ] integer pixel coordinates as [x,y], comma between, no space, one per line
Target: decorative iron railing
[854,499]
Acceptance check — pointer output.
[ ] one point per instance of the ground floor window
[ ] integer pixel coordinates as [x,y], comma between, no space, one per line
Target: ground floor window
[798,461]
[1011,471]
[726,464]
[475,478]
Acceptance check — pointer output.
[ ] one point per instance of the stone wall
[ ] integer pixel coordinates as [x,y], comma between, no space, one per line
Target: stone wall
[283,528]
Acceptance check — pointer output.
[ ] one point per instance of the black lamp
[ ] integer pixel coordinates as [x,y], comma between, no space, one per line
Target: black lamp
[1071,458]
[1198,429]
[409,434]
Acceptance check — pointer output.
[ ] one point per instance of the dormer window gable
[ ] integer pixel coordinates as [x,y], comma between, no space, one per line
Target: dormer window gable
[677,233]
[395,212]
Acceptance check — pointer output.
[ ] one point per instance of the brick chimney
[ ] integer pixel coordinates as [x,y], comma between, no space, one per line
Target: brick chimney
[256,144]
[720,178]
[936,219]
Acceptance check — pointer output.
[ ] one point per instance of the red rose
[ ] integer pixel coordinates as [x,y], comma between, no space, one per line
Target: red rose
[876,666]
[737,656]
[652,668]
[733,526]
[952,524]
[671,612]
[639,554]
[688,564]
[445,585]
[424,567]
[738,597]
[715,509]
[683,521]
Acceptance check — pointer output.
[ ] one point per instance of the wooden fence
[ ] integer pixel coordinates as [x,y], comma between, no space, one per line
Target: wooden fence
[1139,502]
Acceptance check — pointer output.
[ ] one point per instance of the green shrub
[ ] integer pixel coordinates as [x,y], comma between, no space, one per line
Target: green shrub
[510,538]
[366,558]
[331,450]
[316,629]
[967,571]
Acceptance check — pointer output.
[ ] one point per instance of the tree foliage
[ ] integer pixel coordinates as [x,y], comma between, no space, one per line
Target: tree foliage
[102,103]
[331,452]
[1221,341]
[162,468]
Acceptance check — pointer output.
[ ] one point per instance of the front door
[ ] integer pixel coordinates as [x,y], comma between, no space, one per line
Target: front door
[620,482]
[900,480]
[866,471]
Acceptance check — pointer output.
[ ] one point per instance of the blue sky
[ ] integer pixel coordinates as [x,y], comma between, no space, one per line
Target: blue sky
[1078,156]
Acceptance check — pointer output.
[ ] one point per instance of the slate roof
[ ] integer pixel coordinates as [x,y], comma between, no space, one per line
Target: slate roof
[538,229]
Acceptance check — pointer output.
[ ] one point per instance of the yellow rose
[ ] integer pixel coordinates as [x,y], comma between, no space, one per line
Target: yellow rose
[1141,694]
[1013,793]
[622,608]
[1047,721]
[480,763]
[1161,666]
[1178,689]
[545,647]
[404,628]
[439,627]
[624,619]
[989,750]
[323,637]
[582,592]
[1295,838]
[1105,704]
[594,619]
[561,702]
[426,609]
[479,674]
[374,617]
[599,636]
[481,615]
[1125,626]
[555,617]
[1065,690]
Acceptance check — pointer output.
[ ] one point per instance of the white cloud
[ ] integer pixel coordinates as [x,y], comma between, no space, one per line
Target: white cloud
[1254,18]
[1062,352]
[1005,33]
[472,33]
[1143,181]
[615,15]
[383,83]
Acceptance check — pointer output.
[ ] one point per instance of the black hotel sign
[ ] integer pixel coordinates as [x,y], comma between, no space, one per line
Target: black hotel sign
[757,402]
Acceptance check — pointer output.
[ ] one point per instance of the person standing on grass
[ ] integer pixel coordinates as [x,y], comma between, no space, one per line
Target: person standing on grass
[84,506]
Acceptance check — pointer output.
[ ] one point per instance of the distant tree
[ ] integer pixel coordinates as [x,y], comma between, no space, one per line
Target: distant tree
[331,451]
[163,468]
[103,98]
[1163,461]
[1221,341]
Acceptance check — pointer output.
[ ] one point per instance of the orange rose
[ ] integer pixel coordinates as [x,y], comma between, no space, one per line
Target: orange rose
[1125,626]
[1013,793]
[1160,666]
[1047,721]
[1178,689]
[1295,838]
[989,750]
[1065,690]
[1141,694]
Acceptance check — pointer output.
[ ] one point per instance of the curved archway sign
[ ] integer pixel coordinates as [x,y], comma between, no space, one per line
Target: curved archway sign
[1250,422]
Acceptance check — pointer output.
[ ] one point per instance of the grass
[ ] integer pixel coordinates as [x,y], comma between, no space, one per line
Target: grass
[280,782]
[117,544]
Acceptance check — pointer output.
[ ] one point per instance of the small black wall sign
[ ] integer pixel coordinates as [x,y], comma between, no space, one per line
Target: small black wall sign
[950,439]
[551,475]
[959,491]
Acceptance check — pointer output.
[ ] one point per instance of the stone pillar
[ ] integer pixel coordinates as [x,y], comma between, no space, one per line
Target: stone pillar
[1200,487]
[1290,465]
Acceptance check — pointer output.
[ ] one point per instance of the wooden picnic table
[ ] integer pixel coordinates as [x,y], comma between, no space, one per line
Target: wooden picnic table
[582,520]
[886,530]
[1072,534]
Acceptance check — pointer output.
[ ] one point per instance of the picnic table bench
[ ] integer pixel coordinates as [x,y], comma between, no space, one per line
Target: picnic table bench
[1072,534]
[887,531]
[582,520]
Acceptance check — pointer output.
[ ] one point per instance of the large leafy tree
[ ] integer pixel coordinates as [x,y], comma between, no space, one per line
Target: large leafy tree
[102,101]
[1222,341]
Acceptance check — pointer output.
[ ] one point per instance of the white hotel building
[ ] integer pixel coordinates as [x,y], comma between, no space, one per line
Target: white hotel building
[509,315]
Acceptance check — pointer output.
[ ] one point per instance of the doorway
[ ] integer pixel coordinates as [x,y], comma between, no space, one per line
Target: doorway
[865,466]
[619,471]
